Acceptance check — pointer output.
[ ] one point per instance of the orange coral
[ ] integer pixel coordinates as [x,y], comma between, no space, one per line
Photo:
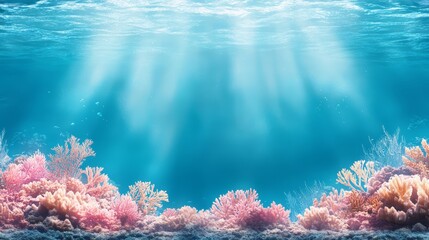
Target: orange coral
[417,160]
[65,203]
[404,200]
[357,201]
[358,177]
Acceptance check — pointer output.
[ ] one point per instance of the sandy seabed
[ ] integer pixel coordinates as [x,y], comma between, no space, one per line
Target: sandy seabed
[40,234]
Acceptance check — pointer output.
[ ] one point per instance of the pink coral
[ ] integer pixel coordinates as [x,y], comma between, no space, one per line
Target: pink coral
[319,218]
[65,203]
[40,187]
[242,209]
[97,219]
[234,207]
[11,214]
[183,218]
[384,175]
[97,184]
[276,215]
[35,167]
[31,169]
[14,177]
[67,159]
[75,185]
[126,210]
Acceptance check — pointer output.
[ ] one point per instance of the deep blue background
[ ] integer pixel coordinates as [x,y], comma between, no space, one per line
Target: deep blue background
[202,97]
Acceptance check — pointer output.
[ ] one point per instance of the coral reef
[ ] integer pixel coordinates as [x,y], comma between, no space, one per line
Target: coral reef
[57,196]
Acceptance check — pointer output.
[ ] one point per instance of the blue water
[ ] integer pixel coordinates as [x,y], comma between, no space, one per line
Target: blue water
[201,97]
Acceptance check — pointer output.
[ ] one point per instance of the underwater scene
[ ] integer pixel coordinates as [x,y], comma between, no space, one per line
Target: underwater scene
[214,119]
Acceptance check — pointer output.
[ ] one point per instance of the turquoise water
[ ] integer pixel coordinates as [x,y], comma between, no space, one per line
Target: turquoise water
[201,97]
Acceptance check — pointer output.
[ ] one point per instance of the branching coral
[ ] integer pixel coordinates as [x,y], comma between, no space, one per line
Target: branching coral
[65,203]
[67,159]
[178,219]
[10,214]
[97,219]
[147,198]
[14,177]
[97,184]
[319,218]
[417,160]
[235,207]
[35,167]
[242,209]
[126,210]
[31,169]
[357,178]
[405,201]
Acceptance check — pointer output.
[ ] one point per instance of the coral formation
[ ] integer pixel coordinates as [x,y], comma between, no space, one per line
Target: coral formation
[67,159]
[148,199]
[417,160]
[242,209]
[359,175]
[57,194]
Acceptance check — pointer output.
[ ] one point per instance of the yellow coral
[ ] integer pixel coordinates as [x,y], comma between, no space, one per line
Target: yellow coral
[359,175]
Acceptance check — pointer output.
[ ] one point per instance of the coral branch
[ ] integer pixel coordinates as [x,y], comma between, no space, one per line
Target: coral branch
[67,159]
[417,160]
[147,198]
[358,177]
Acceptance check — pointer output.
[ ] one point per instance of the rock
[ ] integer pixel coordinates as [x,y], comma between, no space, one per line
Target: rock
[418,227]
